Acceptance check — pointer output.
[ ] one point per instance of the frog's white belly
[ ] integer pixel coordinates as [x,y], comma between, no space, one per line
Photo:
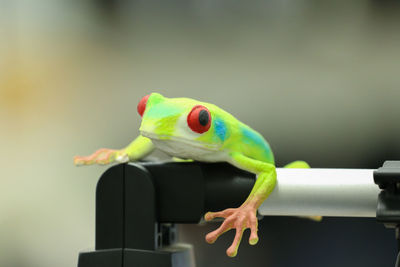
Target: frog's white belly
[186,150]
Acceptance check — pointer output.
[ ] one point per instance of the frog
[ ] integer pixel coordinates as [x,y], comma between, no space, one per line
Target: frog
[189,129]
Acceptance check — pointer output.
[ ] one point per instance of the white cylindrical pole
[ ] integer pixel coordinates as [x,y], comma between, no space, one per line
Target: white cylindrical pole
[326,192]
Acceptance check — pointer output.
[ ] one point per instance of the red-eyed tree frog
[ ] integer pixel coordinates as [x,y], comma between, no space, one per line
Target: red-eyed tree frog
[189,129]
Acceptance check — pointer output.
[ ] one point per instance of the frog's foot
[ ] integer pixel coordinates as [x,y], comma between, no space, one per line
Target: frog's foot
[238,219]
[102,156]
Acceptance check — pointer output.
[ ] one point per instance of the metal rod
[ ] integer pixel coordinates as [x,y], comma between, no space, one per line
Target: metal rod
[326,192]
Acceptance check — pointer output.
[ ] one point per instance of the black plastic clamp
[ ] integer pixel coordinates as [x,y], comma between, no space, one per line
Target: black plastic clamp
[138,205]
[388,206]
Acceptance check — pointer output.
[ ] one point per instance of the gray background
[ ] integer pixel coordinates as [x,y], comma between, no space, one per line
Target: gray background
[319,79]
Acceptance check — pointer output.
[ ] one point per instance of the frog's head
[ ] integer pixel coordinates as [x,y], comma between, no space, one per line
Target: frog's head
[180,119]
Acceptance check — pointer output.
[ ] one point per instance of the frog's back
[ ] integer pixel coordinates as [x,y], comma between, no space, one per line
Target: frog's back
[254,145]
[233,135]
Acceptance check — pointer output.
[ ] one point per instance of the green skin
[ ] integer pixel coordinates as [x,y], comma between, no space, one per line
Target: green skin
[164,125]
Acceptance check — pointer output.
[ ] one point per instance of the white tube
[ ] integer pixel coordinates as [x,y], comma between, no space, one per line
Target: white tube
[326,192]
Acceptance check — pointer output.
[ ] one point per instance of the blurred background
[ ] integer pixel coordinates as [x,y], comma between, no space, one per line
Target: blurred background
[319,79]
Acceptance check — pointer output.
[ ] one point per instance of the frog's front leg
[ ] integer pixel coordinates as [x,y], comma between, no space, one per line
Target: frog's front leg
[137,149]
[245,216]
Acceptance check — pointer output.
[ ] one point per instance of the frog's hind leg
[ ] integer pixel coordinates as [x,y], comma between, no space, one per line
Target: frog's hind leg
[303,165]
[298,164]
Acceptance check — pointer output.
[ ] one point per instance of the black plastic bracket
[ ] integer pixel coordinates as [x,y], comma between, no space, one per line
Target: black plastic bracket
[388,179]
[388,206]
[138,205]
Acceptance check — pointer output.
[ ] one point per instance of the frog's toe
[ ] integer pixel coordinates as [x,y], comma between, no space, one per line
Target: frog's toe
[232,250]
[78,161]
[219,214]
[213,236]
[253,225]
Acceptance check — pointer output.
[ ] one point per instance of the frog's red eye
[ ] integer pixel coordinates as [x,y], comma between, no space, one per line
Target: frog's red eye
[199,119]
[141,107]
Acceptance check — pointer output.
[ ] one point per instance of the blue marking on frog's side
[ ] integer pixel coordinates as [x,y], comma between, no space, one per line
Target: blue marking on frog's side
[220,129]
[253,138]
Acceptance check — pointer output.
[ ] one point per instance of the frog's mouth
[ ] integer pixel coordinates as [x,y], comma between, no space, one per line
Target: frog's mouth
[188,142]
